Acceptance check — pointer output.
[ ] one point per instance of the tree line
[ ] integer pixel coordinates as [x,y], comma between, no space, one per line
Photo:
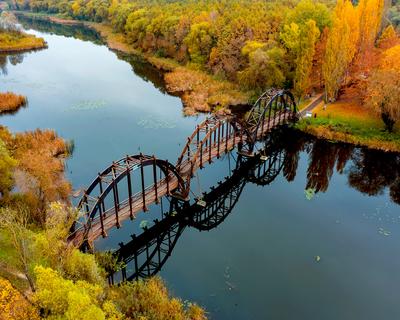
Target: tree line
[305,45]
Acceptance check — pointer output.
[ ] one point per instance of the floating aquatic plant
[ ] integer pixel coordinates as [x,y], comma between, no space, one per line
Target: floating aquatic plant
[85,105]
[384,232]
[143,224]
[156,123]
[309,193]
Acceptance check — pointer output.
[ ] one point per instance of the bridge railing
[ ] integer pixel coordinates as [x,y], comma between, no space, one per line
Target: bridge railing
[102,204]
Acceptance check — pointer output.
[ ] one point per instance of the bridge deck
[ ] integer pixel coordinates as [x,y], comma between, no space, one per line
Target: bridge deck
[127,209]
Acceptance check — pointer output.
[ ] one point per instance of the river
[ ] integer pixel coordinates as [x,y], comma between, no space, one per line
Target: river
[319,241]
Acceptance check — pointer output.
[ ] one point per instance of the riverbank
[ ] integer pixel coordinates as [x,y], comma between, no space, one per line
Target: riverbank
[201,92]
[198,90]
[347,121]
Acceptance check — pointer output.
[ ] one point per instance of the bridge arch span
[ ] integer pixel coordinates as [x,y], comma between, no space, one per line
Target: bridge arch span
[112,197]
[102,207]
[272,108]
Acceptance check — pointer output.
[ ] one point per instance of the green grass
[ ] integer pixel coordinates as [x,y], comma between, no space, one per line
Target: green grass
[371,133]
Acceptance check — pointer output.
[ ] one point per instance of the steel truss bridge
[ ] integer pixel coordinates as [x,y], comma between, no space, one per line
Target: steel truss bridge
[130,185]
[145,254]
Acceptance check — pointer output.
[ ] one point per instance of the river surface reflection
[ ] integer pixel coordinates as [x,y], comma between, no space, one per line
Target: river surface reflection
[257,259]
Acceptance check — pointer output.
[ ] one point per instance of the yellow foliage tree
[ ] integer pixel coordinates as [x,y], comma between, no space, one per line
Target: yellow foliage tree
[64,299]
[391,59]
[388,37]
[370,13]
[301,40]
[341,47]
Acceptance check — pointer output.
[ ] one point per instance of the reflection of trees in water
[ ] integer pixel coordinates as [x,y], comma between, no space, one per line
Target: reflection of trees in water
[140,67]
[369,171]
[76,31]
[14,59]
[395,190]
[3,64]
[372,172]
[323,158]
[293,147]
[144,70]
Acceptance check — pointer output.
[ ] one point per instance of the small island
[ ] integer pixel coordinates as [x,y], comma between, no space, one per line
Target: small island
[11,102]
[13,39]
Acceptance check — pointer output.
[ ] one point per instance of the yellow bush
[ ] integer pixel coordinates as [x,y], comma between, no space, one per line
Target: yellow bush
[64,299]
[150,300]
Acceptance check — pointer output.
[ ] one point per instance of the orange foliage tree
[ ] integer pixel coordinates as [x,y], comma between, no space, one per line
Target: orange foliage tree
[40,172]
[13,306]
[383,92]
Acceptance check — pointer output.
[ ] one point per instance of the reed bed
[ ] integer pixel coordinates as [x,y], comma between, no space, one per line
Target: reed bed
[11,102]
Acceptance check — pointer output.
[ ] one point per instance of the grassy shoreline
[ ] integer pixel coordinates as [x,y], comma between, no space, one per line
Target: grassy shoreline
[349,122]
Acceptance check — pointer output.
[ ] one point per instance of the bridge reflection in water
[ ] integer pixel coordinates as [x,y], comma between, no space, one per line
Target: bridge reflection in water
[367,171]
[132,184]
[147,252]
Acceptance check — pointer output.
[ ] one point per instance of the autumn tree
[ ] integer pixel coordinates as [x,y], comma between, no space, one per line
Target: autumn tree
[383,96]
[341,47]
[64,299]
[40,173]
[226,57]
[388,38]
[200,41]
[390,59]
[370,15]
[307,10]
[266,66]
[118,13]
[300,41]
[13,305]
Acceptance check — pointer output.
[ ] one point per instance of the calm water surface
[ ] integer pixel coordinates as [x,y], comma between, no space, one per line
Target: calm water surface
[260,262]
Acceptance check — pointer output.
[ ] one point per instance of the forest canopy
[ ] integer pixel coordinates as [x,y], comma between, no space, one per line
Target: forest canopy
[256,43]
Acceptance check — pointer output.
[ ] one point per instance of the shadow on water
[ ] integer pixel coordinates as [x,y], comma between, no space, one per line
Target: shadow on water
[140,67]
[370,172]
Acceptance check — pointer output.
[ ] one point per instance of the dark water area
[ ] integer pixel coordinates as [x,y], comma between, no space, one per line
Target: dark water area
[310,231]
